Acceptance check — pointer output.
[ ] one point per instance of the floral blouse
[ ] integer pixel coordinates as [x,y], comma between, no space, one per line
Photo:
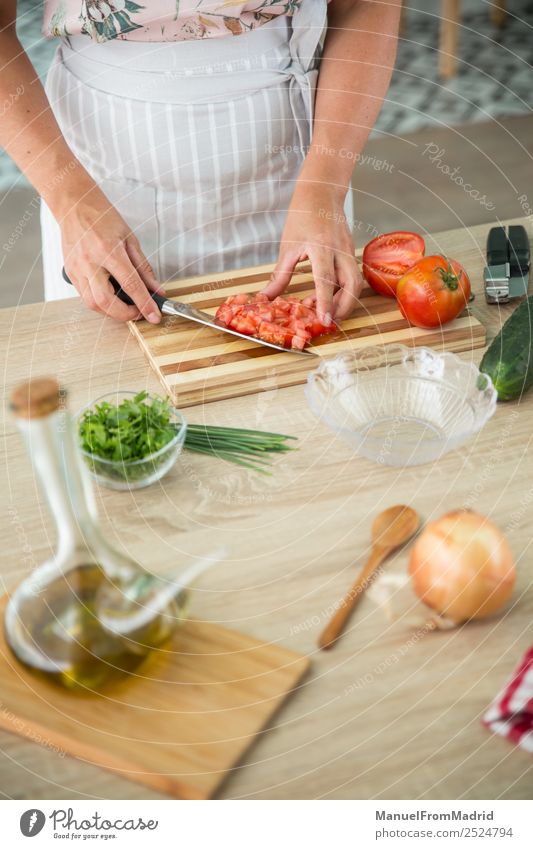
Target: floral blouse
[159,20]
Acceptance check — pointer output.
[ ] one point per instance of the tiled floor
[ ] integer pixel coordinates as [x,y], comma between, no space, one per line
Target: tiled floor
[494,76]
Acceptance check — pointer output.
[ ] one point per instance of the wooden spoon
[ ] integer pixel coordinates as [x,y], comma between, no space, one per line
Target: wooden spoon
[390,529]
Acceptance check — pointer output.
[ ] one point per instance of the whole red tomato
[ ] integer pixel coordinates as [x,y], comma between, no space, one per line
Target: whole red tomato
[387,257]
[433,292]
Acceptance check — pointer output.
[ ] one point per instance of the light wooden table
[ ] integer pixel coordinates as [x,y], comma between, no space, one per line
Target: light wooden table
[391,712]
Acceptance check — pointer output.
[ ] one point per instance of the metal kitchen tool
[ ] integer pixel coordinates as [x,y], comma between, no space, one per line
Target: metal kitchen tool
[506,274]
[177,308]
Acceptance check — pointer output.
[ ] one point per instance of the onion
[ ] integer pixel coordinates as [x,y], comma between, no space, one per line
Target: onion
[462,566]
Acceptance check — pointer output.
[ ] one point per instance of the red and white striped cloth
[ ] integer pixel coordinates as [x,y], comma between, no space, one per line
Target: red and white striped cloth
[511,713]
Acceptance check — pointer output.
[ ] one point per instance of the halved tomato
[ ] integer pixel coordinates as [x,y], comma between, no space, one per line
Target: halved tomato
[387,257]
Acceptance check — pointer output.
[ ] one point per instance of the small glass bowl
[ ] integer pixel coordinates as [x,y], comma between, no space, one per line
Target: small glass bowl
[401,406]
[134,474]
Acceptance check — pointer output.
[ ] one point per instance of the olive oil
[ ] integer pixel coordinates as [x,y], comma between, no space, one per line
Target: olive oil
[81,652]
[89,615]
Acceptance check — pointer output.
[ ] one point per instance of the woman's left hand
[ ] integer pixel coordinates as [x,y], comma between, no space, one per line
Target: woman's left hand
[316,229]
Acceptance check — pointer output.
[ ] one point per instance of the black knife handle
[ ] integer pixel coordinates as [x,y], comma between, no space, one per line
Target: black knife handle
[122,295]
[519,253]
[497,246]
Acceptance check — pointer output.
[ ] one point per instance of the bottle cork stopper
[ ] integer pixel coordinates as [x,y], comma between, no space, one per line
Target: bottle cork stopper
[36,398]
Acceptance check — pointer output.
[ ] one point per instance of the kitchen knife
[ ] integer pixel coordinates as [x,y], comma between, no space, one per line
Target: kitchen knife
[177,308]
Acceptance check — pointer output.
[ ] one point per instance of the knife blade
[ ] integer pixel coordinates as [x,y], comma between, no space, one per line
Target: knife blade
[177,308]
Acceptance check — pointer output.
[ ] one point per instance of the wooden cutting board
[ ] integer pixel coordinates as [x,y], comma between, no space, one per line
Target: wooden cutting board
[178,726]
[196,364]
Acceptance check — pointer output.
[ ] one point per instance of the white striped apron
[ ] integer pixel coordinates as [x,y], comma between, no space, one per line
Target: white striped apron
[197,144]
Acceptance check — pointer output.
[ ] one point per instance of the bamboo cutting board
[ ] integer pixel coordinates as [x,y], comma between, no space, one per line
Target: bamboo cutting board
[196,364]
[178,726]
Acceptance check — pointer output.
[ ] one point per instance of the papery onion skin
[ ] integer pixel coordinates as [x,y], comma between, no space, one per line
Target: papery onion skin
[462,566]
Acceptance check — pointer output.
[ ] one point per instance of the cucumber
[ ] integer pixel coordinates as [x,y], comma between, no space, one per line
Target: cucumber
[509,359]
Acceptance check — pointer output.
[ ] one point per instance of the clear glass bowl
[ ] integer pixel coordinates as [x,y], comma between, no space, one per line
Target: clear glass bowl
[134,474]
[401,406]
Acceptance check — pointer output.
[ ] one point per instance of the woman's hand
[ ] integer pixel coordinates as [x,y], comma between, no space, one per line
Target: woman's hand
[96,240]
[316,229]
[98,243]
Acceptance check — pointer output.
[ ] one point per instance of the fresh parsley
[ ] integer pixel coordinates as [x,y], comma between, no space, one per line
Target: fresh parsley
[138,427]
[127,432]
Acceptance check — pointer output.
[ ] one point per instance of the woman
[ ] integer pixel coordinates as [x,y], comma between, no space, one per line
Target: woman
[174,138]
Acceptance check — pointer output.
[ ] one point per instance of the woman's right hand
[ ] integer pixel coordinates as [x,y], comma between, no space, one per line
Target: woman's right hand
[98,243]
[96,240]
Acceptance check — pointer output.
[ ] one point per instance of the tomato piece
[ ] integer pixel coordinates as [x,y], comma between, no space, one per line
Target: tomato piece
[224,314]
[252,312]
[282,304]
[244,324]
[299,326]
[237,300]
[298,342]
[319,329]
[271,332]
[300,311]
[266,314]
[387,258]
[433,292]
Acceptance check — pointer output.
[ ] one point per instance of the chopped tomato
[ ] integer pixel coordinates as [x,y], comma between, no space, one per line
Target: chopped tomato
[252,313]
[284,321]
[281,304]
[319,329]
[237,300]
[298,342]
[225,314]
[266,314]
[299,310]
[274,333]
[244,324]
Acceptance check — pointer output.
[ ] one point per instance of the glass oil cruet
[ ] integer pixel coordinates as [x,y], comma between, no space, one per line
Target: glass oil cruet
[89,615]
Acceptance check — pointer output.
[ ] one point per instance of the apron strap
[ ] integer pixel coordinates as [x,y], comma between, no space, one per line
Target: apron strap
[309,25]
